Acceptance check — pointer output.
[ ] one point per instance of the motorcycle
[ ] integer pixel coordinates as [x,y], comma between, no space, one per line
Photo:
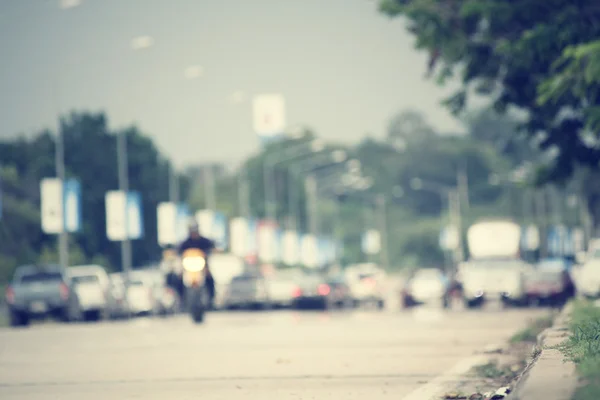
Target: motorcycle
[194,279]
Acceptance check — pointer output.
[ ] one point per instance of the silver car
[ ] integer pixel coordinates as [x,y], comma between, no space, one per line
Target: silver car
[92,286]
[248,290]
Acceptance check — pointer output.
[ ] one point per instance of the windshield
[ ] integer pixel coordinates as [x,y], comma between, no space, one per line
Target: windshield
[85,279]
[428,275]
[42,277]
[495,264]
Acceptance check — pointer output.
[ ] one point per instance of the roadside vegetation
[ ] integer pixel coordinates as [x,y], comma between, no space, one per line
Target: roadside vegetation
[583,349]
[531,332]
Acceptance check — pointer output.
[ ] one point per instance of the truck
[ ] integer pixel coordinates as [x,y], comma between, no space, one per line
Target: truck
[40,291]
[494,271]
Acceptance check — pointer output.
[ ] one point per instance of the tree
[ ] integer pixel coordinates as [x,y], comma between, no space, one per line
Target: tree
[407,127]
[527,54]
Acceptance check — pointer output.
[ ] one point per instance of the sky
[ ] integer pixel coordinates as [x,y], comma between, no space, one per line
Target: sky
[343,68]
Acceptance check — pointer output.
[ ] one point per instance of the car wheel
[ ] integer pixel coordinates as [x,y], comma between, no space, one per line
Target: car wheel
[380,304]
[18,319]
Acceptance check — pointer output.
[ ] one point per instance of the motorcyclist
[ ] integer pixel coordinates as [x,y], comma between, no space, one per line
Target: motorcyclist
[197,241]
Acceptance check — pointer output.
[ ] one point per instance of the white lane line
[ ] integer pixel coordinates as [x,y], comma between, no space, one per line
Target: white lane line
[435,388]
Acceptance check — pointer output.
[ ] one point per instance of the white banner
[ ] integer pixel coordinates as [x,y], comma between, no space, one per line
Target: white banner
[269,115]
[52,205]
[291,248]
[371,242]
[116,226]
[166,216]
[266,242]
[205,219]
[309,251]
[238,228]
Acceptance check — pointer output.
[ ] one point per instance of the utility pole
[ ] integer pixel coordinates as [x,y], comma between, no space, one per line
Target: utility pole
[124,188]
[63,237]
[381,208]
[173,184]
[243,188]
[310,187]
[209,187]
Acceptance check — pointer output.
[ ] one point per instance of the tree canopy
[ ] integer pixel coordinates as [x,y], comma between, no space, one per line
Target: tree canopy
[539,56]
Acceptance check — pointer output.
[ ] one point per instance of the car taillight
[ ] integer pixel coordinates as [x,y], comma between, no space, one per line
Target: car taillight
[370,281]
[323,289]
[64,291]
[10,295]
[297,292]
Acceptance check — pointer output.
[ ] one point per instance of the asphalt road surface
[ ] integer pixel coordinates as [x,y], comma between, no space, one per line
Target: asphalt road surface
[272,355]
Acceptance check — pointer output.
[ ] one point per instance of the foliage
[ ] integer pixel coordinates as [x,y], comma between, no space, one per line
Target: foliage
[534,55]
[583,348]
[531,332]
[413,218]
[90,156]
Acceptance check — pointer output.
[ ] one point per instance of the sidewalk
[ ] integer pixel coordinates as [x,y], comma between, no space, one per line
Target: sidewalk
[549,378]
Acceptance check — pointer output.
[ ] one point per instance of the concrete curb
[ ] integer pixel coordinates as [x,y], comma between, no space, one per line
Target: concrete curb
[549,377]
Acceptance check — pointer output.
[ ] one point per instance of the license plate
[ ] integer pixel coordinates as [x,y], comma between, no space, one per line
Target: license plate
[38,307]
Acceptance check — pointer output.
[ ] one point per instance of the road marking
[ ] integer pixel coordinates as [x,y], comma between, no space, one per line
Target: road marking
[436,387]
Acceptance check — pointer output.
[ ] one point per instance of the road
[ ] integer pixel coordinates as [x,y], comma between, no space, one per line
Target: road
[271,355]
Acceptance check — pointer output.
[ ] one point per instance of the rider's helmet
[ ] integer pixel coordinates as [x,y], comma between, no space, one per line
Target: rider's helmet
[193,227]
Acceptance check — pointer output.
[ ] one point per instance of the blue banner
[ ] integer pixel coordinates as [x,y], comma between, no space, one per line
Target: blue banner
[72,205]
[135,219]
[252,236]
[219,230]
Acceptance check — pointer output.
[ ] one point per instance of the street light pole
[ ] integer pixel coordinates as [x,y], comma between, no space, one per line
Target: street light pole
[63,237]
[310,186]
[124,188]
[173,184]
[381,208]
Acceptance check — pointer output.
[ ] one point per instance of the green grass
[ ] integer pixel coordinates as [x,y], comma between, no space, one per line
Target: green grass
[530,334]
[583,348]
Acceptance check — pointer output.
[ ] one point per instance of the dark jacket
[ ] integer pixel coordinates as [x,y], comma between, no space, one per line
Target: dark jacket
[202,243]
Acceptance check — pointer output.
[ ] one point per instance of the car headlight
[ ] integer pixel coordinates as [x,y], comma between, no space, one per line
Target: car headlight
[194,264]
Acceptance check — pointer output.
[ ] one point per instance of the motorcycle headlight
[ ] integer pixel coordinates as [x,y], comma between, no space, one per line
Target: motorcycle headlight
[194,264]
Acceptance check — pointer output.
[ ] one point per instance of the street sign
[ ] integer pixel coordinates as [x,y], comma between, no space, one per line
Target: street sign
[269,116]
[56,214]
[371,242]
[124,219]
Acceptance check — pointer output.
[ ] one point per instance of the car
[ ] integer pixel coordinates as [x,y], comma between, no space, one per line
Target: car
[247,291]
[92,285]
[224,267]
[316,291]
[494,279]
[137,294]
[366,282]
[41,291]
[426,286]
[550,283]
[117,301]
[280,288]
[587,276]
[165,300]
